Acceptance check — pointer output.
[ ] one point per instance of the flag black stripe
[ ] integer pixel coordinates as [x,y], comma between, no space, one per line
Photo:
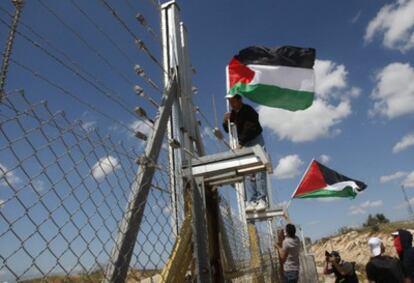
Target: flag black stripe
[332,177]
[278,56]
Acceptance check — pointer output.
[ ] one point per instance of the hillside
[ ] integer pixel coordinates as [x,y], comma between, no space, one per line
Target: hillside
[352,245]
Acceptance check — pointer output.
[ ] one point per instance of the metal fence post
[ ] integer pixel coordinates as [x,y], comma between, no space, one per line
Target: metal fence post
[200,232]
[9,44]
[121,254]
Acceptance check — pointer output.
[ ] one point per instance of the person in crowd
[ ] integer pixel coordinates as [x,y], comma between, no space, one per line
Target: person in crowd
[288,248]
[249,133]
[344,271]
[403,241]
[382,268]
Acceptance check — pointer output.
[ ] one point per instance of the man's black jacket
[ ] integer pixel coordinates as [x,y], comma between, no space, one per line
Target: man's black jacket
[247,123]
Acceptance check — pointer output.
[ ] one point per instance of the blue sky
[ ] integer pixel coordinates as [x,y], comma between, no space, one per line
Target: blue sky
[361,121]
[365,59]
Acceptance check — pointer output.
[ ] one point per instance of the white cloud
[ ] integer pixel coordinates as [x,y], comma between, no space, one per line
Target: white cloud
[7,177]
[409,180]
[356,17]
[308,125]
[354,210]
[369,204]
[395,23]
[392,177]
[363,207]
[405,142]
[141,126]
[320,119]
[167,210]
[329,78]
[325,158]
[329,199]
[38,185]
[88,125]
[353,92]
[393,95]
[105,166]
[288,167]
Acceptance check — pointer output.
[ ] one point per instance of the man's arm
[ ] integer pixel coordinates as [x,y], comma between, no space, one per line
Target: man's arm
[282,250]
[327,270]
[282,254]
[226,119]
[345,269]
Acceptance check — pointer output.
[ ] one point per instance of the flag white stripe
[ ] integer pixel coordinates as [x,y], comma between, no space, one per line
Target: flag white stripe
[341,185]
[293,78]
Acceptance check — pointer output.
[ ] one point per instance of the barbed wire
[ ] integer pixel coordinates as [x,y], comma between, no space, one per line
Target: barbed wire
[70,68]
[210,126]
[85,42]
[67,57]
[66,92]
[141,19]
[142,74]
[138,41]
[155,4]
[85,14]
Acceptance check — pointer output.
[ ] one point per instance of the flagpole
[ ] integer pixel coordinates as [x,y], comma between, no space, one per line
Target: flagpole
[228,106]
[297,187]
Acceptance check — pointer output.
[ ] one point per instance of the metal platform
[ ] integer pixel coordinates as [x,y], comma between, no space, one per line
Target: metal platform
[231,166]
[265,214]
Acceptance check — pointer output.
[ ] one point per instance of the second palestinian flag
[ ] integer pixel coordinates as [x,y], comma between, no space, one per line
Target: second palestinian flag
[320,181]
[276,77]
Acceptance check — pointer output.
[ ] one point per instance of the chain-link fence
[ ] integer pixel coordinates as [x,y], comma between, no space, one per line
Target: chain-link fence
[63,192]
[249,251]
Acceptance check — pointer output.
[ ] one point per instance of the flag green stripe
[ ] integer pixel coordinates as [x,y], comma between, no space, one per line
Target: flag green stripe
[274,96]
[346,192]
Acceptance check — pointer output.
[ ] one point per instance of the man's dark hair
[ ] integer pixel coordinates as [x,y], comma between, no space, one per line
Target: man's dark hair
[290,230]
[238,96]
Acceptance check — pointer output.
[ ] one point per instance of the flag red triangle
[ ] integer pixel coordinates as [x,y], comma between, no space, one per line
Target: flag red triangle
[312,180]
[239,73]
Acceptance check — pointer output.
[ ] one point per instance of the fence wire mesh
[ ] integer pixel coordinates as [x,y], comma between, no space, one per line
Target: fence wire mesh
[249,253]
[63,193]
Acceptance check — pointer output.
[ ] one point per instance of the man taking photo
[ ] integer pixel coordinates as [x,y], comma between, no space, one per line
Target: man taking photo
[344,271]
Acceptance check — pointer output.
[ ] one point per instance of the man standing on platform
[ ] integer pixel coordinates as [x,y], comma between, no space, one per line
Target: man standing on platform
[249,133]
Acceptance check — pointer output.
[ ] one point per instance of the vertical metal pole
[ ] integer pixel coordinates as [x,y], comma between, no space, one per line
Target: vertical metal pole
[303,241]
[239,186]
[200,233]
[9,44]
[169,62]
[270,231]
[410,209]
[182,127]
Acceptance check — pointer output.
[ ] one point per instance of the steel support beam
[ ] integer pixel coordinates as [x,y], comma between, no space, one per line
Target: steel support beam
[124,246]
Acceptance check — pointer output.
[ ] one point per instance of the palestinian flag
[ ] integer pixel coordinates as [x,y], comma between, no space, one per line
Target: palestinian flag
[277,77]
[320,181]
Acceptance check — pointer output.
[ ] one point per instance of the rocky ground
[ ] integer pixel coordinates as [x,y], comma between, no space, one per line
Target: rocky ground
[352,245]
